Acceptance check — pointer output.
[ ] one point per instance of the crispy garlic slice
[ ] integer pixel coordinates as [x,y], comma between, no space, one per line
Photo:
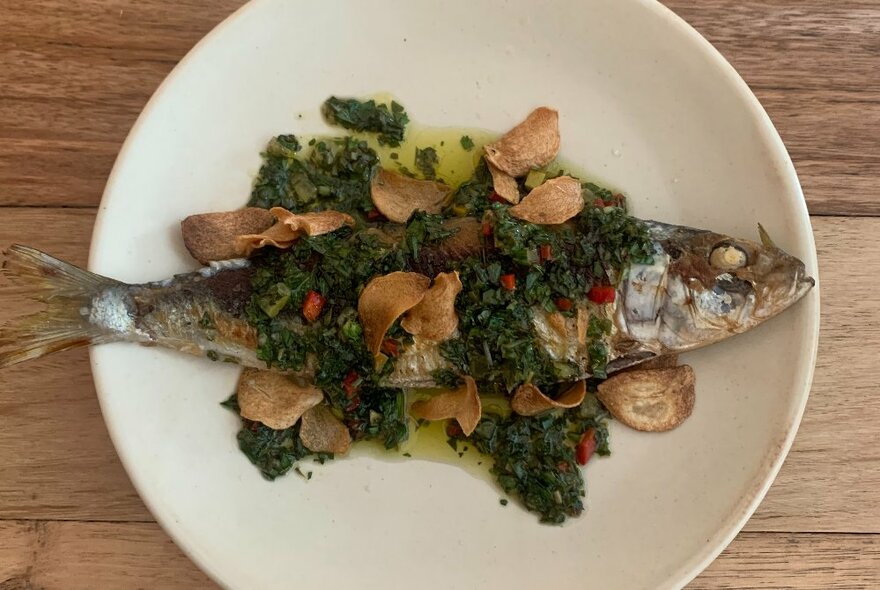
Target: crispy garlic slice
[533,143]
[322,432]
[463,404]
[384,299]
[289,227]
[434,317]
[274,399]
[528,400]
[397,197]
[212,237]
[556,201]
[652,400]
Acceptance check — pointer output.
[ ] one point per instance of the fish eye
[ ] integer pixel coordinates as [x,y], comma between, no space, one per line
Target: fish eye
[728,257]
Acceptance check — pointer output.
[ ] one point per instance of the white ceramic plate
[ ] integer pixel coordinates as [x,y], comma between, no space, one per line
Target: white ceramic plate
[646,104]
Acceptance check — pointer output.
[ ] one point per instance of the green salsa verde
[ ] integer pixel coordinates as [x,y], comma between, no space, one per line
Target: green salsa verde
[522,267]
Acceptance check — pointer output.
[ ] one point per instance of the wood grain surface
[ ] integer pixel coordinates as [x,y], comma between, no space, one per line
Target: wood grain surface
[75,75]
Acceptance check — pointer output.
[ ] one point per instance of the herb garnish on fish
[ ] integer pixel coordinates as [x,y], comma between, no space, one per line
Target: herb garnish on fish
[550,266]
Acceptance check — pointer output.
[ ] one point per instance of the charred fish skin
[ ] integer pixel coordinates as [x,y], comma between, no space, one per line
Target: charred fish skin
[704,287]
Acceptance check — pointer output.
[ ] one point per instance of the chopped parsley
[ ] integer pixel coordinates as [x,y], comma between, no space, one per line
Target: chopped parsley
[534,457]
[599,192]
[335,174]
[273,452]
[424,228]
[497,346]
[598,351]
[472,196]
[426,162]
[366,115]
[447,378]
[467,143]
[497,341]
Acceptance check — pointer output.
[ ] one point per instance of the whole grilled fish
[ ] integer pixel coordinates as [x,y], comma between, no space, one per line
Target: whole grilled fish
[701,288]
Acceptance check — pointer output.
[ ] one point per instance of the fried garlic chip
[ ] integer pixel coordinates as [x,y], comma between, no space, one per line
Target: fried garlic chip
[397,196]
[504,184]
[290,226]
[274,399]
[322,432]
[434,318]
[531,144]
[651,400]
[463,404]
[528,400]
[384,299]
[212,236]
[312,224]
[277,236]
[556,201]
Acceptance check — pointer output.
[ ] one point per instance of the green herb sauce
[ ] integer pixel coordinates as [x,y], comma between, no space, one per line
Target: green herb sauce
[388,121]
[533,458]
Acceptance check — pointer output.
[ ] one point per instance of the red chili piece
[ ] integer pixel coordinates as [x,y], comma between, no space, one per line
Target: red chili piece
[389,347]
[545,252]
[486,229]
[453,430]
[496,198]
[586,447]
[508,282]
[602,294]
[564,304]
[350,383]
[313,305]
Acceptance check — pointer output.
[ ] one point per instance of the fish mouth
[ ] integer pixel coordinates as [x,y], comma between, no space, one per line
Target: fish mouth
[804,284]
[799,287]
[770,304]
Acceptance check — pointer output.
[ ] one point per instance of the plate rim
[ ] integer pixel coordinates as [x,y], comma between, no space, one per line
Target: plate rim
[720,541]
[767,472]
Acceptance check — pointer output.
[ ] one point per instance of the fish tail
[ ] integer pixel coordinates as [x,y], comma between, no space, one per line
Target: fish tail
[63,323]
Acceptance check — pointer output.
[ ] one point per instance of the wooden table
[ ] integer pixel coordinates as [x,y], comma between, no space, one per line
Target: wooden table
[73,77]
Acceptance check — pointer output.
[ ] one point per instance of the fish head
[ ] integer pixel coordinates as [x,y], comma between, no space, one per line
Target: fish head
[715,286]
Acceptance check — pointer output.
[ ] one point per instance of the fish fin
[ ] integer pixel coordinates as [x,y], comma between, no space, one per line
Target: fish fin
[765,237]
[66,291]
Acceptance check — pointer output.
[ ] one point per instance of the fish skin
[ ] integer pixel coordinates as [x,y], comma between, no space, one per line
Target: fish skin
[175,316]
[682,302]
[678,303]
[200,313]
